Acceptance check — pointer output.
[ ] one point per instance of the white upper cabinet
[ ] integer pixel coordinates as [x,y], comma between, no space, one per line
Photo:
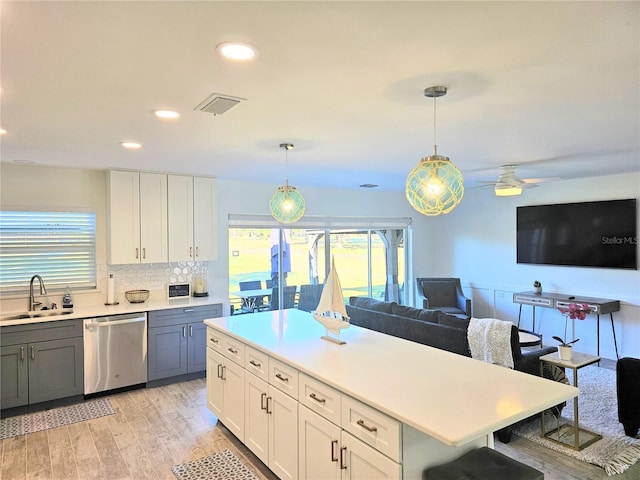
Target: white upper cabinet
[192,218]
[180,218]
[137,217]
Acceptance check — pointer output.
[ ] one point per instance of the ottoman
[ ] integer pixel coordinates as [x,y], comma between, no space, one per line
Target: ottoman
[483,464]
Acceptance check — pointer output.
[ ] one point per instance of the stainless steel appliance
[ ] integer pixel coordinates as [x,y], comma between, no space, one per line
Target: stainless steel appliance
[115,352]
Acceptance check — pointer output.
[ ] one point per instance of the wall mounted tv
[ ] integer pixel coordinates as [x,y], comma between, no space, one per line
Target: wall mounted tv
[588,234]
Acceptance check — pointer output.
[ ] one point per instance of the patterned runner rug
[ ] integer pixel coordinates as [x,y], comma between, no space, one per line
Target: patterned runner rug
[224,465]
[56,417]
[598,410]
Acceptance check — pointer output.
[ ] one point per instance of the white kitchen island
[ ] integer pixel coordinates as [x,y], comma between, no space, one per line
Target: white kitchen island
[411,405]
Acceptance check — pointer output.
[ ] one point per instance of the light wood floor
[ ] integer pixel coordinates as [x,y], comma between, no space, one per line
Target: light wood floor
[156,428]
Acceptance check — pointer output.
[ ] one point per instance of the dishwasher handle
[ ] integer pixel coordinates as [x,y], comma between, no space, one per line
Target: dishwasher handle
[89,325]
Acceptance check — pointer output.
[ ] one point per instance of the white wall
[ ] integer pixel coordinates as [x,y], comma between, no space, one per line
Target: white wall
[475,242]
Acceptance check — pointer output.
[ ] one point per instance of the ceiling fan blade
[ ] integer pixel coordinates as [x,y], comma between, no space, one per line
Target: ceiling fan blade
[541,179]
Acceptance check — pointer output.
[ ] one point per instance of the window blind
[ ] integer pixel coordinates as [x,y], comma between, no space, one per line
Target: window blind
[58,246]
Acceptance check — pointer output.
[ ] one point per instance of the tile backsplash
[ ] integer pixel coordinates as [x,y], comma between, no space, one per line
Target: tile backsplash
[153,277]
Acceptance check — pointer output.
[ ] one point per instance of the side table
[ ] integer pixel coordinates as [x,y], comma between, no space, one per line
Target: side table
[571,436]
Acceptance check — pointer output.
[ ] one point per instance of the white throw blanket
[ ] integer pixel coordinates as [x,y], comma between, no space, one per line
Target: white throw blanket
[490,341]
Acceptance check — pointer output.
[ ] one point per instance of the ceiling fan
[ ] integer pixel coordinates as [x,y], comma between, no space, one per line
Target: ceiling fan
[509,184]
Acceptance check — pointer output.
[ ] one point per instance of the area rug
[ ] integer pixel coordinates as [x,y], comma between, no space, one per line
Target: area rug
[221,465]
[598,410]
[56,417]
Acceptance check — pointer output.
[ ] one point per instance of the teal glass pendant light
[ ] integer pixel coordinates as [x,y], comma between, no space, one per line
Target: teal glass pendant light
[287,204]
[435,185]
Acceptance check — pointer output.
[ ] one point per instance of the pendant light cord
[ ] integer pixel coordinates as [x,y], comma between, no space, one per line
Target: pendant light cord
[435,143]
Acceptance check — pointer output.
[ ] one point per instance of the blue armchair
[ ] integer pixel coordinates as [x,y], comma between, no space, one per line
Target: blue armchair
[444,294]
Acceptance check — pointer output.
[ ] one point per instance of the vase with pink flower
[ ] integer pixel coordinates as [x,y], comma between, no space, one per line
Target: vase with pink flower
[575,311]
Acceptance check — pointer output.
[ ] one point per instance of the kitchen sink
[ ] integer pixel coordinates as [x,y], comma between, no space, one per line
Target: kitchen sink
[35,314]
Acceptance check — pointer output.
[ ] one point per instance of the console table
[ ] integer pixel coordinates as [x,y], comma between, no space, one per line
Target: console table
[599,306]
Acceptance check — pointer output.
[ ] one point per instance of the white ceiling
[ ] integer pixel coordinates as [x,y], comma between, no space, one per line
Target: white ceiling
[553,87]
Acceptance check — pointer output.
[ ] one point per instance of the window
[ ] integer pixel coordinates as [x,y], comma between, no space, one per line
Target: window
[58,246]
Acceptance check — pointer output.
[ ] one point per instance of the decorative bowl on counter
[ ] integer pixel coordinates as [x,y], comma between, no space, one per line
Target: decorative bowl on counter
[136,296]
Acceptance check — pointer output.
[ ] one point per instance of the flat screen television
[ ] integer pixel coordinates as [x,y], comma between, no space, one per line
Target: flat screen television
[599,234]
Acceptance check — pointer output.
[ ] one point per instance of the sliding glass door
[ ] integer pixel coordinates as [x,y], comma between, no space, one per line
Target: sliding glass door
[370,262]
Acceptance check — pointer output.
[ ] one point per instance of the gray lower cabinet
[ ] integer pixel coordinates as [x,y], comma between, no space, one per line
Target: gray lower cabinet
[41,362]
[178,340]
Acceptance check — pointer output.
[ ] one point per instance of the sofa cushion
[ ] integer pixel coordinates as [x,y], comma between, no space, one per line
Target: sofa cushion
[405,311]
[432,316]
[452,321]
[372,304]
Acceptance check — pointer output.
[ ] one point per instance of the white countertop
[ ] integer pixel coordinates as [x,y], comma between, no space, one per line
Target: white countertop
[102,310]
[447,396]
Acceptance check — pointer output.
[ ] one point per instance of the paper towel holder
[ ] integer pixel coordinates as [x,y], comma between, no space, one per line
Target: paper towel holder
[110,285]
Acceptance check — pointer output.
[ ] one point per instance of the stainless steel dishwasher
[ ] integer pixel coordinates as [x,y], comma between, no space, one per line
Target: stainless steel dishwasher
[115,352]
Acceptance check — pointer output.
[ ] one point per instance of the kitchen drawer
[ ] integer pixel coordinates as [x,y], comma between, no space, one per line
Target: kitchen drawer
[215,340]
[321,398]
[233,350]
[283,377]
[372,427]
[257,363]
[173,316]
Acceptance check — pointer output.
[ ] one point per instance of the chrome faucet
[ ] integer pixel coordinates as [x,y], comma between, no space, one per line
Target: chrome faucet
[43,291]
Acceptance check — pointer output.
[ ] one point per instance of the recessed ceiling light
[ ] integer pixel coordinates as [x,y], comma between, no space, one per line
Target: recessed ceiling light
[131,145]
[237,50]
[165,114]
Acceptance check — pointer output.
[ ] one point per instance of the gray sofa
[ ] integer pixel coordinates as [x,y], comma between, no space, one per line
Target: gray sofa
[431,327]
[435,329]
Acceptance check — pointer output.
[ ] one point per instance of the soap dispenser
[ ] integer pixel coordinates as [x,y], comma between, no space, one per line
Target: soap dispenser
[67,301]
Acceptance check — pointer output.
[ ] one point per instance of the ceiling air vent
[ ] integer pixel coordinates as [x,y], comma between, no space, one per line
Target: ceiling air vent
[218,104]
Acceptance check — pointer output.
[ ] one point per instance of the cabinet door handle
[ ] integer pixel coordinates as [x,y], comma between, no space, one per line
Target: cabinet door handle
[214,340]
[144,252]
[191,330]
[22,354]
[317,399]
[334,453]
[184,331]
[280,377]
[137,252]
[187,310]
[254,363]
[191,251]
[222,370]
[33,352]
[219,370]
[343,458]
[235,352]
[366,427]
[267,409]
[263,402]
[197,251]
